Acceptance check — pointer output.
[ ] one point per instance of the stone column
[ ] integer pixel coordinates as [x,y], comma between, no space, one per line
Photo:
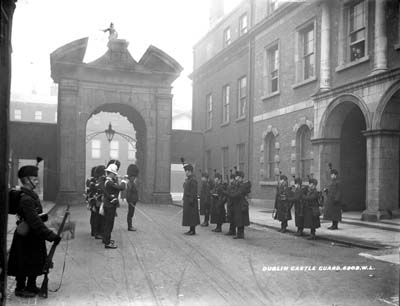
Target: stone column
[325,77]
[67,143]
[397,46]
[382,174]
[380,56]
[161,193]
[325,151]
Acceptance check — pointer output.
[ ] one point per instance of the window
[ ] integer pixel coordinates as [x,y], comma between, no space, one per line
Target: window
[306,53]
[242,97]
[269,156]
[225,162]
[227,37]
[240,155]
[357,30]
[225,103]
[38,115]
[304,151]
[114,149]
[131,151]
[243,24]
[271,74]
[96,148]
[17,114]
[209,115]
[208,162]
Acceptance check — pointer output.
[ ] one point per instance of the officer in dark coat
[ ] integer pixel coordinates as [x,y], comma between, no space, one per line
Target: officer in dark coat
[205,198]
[229,206]
[240,205]
[28,251]
[282,203]
[190,216]
[295,198]
[110,199]
[132,195]
[218,204]
[311,208]
[333,203]
[91,192]
[100,176]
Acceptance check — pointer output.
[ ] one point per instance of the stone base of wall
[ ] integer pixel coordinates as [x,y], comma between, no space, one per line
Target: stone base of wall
[374,216]
[162,198]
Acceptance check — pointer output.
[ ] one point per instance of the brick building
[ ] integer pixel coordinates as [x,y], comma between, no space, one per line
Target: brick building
[293,86]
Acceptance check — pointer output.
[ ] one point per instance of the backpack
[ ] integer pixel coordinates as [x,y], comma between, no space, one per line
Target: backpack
[14,196]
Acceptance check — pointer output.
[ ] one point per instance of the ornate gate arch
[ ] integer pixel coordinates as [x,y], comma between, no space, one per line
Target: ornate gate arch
[115,82]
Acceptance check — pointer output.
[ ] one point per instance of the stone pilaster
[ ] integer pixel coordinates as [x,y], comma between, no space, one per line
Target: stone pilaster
[382,174]
[325,77]
[67,144]
[380,42]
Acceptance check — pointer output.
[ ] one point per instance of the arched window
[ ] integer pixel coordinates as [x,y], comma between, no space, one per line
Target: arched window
[304,148]
[269,156]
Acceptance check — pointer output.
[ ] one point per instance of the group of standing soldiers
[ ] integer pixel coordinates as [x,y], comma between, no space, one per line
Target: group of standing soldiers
[214,196]
[308,203]
[102,197]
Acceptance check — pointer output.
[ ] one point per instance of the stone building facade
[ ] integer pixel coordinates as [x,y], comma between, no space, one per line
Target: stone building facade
[322,86]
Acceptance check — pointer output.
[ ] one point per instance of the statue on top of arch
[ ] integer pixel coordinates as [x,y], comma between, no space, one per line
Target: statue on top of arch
[113,34]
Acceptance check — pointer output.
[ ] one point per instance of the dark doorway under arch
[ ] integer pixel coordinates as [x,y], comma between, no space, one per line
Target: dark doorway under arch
[353,163]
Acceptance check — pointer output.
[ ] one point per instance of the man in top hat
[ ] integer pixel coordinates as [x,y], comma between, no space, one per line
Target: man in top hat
[132,195]
[282,203]
[110,199]
[28,250]
[240,204]
[311,208]
[205,198]
[190,215]
[218,203]
[333,203]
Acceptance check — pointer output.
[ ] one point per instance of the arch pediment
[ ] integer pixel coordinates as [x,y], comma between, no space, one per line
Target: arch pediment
[155,59]
[72,52]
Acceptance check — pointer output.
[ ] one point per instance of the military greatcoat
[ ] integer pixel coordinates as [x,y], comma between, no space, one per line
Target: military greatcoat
[333,203]
[311,209]
[295,198]
[28,253]
[190,215]
[205,197]
[282,204]
[240,205]
[218,204]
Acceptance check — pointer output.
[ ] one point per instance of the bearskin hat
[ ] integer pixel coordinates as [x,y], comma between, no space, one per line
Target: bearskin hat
[99,171]
[132,170]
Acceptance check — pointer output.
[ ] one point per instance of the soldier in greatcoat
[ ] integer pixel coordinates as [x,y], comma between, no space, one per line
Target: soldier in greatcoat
[28,249]
[100,176]
[205,198]
[282,203]
[229,206]
[132,195]
[333,203]
[91,191]
[295,198]
[112,187]
[311,208]
[240,204]
[190,216]
[218,204]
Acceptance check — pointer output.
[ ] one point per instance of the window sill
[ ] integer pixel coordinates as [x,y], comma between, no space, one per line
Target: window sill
[240,119]
[263,98]
[224,124]
[305,82]
[268,183]
[352,64]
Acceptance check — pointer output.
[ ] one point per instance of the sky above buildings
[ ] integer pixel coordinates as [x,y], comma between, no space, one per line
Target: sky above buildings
[42,26]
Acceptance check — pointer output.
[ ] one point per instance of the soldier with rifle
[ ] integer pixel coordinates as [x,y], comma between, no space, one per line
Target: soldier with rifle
[91,201]
[28,249]
[205,197]
[295,198]
[282,203]
[190,215]
[229,206]
[333,204]
[311,208]
[218,203]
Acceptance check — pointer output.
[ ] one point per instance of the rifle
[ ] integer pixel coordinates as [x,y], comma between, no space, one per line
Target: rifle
[49,260]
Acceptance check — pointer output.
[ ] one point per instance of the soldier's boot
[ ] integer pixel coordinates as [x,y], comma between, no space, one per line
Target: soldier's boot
[192,231]
[299,231]
[217,229]
[312,235]
[232,230]
[20,289]
[280,230]
[334,225]
[284,226]
[205,223]
[240,233]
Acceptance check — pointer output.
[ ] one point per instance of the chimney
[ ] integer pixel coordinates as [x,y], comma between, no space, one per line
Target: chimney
[216,11]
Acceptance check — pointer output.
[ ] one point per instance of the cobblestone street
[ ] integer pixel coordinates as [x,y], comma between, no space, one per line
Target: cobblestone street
[158,265]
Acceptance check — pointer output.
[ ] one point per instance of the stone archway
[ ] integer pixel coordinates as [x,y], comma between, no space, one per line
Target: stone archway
[342,143]
[116,83]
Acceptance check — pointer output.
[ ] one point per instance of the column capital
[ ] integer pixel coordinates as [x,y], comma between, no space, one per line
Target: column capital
[382,132]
